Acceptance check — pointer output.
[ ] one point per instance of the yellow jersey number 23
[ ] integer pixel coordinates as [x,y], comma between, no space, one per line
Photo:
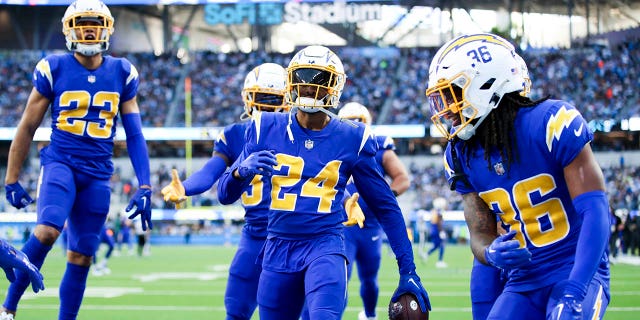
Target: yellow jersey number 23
[75,120]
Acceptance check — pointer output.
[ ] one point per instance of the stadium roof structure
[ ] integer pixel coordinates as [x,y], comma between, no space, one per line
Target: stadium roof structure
[281,25]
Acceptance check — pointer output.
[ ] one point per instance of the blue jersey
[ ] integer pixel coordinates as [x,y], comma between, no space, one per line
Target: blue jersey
[84,108]
[255,200]
[384,143]
[307,186]
[531,195]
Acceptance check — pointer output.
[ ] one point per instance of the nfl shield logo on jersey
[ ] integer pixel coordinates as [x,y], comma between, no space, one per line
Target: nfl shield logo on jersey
[91,79]
[499,168]
[308,144]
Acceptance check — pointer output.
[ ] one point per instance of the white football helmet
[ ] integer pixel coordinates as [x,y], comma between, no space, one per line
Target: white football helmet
[264,89]
[87,14]
[315,79]
[355,111]
[467,79]
[525,75]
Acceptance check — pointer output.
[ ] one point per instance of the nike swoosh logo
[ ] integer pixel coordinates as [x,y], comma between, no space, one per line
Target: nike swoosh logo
[560,307]
[578,132]
[492,250]
[375,238]
[144,203]
[414,283]
[13,196]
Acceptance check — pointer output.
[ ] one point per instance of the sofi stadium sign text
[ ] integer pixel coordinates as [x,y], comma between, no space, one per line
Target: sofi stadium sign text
[277,13]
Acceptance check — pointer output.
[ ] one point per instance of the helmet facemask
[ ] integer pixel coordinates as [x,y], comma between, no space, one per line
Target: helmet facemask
[448,106]
[262,99]
[311,88]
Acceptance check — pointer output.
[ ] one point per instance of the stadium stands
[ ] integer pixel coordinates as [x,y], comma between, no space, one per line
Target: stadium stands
[600,81]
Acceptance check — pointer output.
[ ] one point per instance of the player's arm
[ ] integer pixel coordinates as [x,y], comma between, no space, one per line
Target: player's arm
[482,224]
[586,187]
[36,108]
[375,191]
[230,184]
[203,179]
[501,251]
[396,170]
[136,144]
[137,148]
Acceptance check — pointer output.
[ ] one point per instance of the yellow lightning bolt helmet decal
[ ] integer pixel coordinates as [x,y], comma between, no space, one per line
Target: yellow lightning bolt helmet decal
[558,122]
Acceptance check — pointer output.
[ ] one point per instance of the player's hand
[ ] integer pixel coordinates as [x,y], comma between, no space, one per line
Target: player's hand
[354,212]
[569,306]
[17,196]
[505,253]
[174,191]
[142,201]
[12,258]
[411,283]
[260,162]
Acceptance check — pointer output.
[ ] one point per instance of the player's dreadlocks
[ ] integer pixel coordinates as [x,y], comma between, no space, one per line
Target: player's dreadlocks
[496,132]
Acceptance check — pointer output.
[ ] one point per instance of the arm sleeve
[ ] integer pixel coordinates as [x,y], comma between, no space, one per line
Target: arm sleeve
[376,192]
[203,179]
[137,147]
[229,188]
[594,232]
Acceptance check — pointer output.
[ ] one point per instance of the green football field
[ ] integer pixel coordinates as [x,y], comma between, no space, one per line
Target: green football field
[188,282]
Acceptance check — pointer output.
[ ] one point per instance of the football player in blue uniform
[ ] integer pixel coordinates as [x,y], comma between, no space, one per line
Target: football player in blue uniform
[307,157]
[364,246]
[437,234]
[263,90]
[487,281]
[85,91]
[530,163]
[106,237]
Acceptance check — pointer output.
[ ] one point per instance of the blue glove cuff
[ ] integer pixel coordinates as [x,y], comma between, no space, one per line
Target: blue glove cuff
[245,173]
[573,288]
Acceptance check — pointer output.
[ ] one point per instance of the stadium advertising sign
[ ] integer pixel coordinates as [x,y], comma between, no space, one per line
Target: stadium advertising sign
[277,13]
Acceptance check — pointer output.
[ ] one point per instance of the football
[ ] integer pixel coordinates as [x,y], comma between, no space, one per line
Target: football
[407,308]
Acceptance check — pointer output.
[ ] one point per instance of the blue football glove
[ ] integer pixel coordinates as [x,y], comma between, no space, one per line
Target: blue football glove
[410,283]
[569,305]
[142,201]
[17,196]
[12,258]
[260,162]
[568,308]
[506,253]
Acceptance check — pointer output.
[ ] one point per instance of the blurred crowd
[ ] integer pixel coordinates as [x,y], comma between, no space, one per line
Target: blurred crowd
[602,82]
